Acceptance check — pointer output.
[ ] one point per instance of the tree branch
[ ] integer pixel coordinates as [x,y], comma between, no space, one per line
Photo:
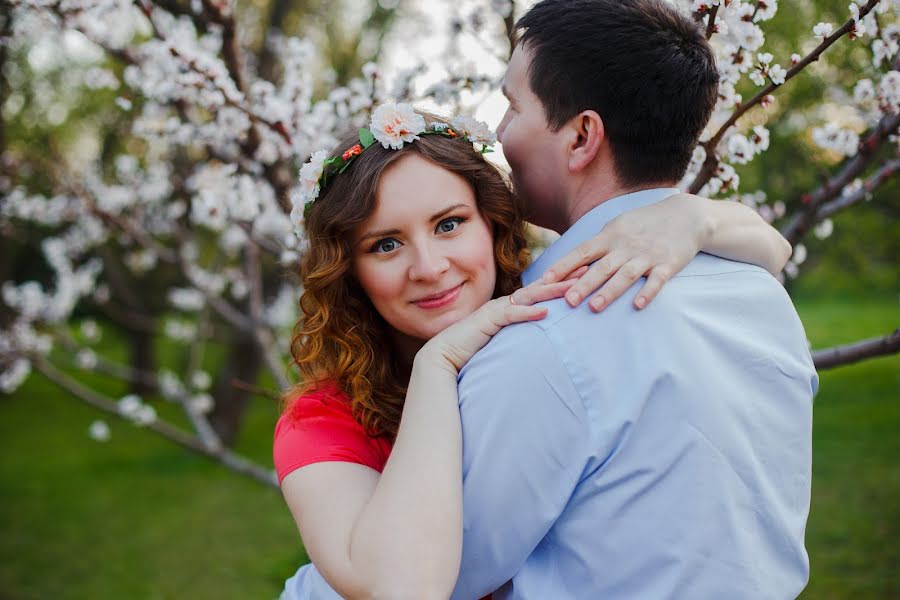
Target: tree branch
[712,160]
[851,353]
[230,460]
[802,221]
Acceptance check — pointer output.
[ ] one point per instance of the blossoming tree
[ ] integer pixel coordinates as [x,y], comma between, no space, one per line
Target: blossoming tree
[178,225]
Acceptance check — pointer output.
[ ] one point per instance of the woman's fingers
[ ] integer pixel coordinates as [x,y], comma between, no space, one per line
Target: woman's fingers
[584,254]
[596,276]
[655,281]
[541,292]
[623,279]
[519,314]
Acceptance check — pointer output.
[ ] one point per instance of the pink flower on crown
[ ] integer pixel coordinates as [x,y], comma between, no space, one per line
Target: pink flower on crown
[396,124]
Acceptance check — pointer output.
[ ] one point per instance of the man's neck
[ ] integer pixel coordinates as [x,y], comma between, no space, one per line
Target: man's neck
[592,192]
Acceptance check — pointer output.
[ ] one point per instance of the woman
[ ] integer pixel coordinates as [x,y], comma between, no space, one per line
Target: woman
[416,249]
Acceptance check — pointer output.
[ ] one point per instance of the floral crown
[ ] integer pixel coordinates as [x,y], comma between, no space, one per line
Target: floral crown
[393,125]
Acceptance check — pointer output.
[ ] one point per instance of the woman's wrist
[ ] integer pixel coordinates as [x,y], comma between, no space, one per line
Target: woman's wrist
[431,358]
[704,218]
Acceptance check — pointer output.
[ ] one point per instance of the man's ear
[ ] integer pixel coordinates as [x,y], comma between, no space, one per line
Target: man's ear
[588,135]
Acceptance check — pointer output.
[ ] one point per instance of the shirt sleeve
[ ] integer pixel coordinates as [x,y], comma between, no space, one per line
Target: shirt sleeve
[524,450]
[316,430]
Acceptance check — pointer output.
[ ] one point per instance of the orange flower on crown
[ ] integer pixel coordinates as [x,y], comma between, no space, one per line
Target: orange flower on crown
[354,150]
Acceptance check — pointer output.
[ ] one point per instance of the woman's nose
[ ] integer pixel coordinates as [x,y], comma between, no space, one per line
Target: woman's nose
[429,265]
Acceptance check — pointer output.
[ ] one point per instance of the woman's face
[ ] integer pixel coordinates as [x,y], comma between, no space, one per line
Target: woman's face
[425,257]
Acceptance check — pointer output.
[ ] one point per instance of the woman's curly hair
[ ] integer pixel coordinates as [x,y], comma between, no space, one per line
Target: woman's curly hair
[340,338]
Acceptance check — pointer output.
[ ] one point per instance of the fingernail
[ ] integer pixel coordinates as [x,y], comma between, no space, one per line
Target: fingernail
[641,302]
[597,303]
[572,298]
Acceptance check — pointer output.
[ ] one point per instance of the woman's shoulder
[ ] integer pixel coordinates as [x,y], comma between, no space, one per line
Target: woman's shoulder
[319,426]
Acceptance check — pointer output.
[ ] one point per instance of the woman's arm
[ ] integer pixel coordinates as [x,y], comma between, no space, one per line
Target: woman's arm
[399,535]
[659,240]
[737,232]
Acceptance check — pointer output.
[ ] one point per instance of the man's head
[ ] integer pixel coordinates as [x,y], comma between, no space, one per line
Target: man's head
[617,86]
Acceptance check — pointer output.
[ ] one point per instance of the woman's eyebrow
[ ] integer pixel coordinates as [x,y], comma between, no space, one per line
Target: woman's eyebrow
[440,214]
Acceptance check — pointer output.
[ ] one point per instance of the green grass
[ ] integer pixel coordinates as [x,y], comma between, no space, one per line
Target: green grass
[855,516]
[137,517]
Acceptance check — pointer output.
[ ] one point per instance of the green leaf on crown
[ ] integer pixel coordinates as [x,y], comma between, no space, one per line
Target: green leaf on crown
[365,137]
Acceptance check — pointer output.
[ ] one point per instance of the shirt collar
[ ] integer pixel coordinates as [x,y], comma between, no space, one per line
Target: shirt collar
[590,225]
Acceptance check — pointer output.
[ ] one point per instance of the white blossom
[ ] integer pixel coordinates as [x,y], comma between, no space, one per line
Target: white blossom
[144,416]
[182,331]
[99,431]
[14,375]
[889,92]
[200,380]
[864,91]
[740,150]
[777,74]
[129,405]
[170,386]
[791,269]
[86,359]
[201,403]
[836,138]
[799,255]
[823,30]
[186,299]
[90,331]
[824,229]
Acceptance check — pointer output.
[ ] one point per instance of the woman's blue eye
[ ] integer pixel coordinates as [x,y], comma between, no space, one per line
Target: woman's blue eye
[384,246]
[449,225]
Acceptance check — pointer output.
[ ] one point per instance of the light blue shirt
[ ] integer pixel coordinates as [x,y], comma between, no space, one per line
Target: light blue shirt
[662,453]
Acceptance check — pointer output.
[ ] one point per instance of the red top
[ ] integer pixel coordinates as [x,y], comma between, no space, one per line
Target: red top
[320,427]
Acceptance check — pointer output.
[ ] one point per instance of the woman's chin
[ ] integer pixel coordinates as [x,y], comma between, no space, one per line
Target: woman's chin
[442,322]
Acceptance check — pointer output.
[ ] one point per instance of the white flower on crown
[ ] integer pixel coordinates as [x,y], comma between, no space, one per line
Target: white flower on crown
[474,130]
[396,124]
[310,173]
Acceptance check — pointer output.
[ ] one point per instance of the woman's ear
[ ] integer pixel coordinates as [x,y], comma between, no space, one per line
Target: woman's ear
[588,135]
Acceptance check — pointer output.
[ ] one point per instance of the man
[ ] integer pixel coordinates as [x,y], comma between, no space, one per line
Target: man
[656,453]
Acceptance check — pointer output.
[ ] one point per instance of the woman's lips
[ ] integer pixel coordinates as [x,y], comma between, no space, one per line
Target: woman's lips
[441,300]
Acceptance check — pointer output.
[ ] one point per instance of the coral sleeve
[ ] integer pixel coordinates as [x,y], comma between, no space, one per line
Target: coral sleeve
[319,427]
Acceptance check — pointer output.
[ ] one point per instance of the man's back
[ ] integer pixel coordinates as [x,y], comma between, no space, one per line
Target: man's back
[667,451]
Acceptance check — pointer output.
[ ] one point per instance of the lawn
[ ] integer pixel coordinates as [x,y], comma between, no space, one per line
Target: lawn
[137,517]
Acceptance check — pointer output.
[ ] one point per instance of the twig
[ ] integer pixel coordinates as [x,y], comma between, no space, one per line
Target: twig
[262,334]
[254,389]
[232,461]
[711,24]
[851,353]
[712,159]
[884,174]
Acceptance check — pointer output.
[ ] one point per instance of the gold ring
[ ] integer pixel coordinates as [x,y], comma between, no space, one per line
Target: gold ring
[512,300]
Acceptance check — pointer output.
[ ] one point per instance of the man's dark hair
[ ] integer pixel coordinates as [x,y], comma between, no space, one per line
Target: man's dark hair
[643,65]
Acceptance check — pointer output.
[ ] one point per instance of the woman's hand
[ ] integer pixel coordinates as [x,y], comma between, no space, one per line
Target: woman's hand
[659,240]
[454,346]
